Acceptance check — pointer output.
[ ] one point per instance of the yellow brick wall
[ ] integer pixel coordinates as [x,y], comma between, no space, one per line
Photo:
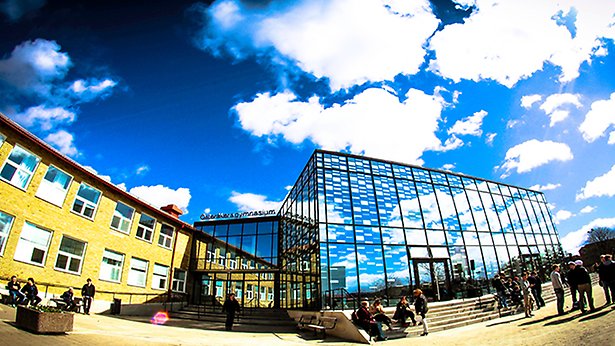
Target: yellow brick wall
[25,206]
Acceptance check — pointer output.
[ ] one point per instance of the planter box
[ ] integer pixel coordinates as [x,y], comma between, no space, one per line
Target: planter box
[43,322]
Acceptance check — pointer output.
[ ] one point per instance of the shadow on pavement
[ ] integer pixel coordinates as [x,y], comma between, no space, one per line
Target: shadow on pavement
[564,320]
[546,318]
[595,315]
[504,322]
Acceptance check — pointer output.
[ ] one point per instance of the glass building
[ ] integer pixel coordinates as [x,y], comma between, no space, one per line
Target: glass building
[354,228]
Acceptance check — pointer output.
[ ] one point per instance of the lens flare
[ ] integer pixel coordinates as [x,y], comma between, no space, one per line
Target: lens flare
[160,317]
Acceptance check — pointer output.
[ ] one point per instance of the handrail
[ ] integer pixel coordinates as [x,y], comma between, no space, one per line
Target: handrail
[344,295]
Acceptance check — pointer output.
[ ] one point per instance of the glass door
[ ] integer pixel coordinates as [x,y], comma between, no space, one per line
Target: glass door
[433,278]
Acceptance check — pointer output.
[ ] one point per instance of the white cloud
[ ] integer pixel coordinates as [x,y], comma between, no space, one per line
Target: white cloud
[448,166]
[142,170]
[528,155]
[63,141]
[490,137]
[587,209]
[94,171]
[554,103]
[45,118]
[603,185]
[547,187]
[15,9]
[206,210]
[373,123]
[89,90]
[33,65]
[121,186]
[251,201]
[159,196]
[470,125]
[492,44]
[528,100]
[599,119]
[562,215]
[573,241]
[349,42]
[512,123]
[612,138]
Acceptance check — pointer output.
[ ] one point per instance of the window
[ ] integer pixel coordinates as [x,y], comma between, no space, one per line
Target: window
[5,227]
[263,293]
[211,256]
[138,272]
[122,218]
[159,278]
[270,293]
[179,280]
[2,138]
[232,264]
[86,201]
[54,186]
[222,261]
[33,244]
[166,236]
[145,230]
[111,266]
[19,167]
[249,292]
[70,255]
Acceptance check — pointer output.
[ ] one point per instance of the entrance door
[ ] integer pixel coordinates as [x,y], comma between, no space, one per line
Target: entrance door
[433,277]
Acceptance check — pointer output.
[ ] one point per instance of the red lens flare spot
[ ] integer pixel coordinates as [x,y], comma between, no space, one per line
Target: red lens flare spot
[160,318]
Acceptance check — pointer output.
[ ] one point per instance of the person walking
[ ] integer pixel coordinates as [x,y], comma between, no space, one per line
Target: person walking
[500,290]
[31,292]
[15,291]
[606,272]
[558,287]
[536,288]
[87,293]
[420,306]
[230,306]
[571,277]
[584,287]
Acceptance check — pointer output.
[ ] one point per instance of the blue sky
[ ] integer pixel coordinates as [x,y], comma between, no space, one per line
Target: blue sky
[217,106]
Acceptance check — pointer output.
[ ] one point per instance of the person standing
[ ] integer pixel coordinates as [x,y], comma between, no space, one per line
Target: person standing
[500,289]
[573,284]
[584,287]
[606,272]
[15,291]
[420,306]
[558,287]
[31,292]
[528,300]
[230,306]
[87,293]
[536,288]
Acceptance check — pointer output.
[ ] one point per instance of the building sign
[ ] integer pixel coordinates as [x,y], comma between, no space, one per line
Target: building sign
[239,215]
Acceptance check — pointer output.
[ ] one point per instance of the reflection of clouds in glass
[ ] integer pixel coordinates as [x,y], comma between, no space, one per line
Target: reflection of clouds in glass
[429,204]
[463,209]
[372,282]
[477,208]
[393,236]
[349,260]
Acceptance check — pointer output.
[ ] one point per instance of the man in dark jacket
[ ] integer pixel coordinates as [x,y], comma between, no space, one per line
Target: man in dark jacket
[499,287]
[31,292]
[584,282]
[15,291]
[536,288]
[606,271]
[230,306]
[67,298]
[366,321]
[87,292]
[572,280]
[420,306]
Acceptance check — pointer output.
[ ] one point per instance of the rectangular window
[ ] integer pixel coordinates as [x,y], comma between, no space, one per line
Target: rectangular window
[232,264]
[54,186]
[138,272]
[5,227]
[70,255]
[179,280]
[2,138]
[263,293]
[111,266]
[211,256]
[19,167]
[145,230]
[122,218]
[270,293]
[159,278]
[86,201]
[33,244]
[166,236]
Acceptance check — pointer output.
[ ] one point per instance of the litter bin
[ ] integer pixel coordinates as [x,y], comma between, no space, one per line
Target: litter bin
[116,306]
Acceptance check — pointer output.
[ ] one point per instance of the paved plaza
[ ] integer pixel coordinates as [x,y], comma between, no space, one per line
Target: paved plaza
[544,328]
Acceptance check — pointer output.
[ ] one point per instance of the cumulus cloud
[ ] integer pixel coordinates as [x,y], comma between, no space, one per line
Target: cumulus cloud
[45,118]
[490,137]
[374,122]
[160,195]
[574,240]
[599,119]
[252,201]
[612,138]
[555,106]
[94,171]
[562,215]
[312,35]
[587,209]
[603,185]
[448,166]
[491,45]
[547,187]
[63,141]
[33,65]
[531,154]
[470,125]
[89,90]
[15,9]
[528,100]
[142,170]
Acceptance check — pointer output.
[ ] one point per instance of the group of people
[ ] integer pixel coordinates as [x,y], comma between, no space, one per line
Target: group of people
[371,318]
[28,294]
[525,291]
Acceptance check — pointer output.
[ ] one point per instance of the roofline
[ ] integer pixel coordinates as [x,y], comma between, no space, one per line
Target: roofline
[68,161]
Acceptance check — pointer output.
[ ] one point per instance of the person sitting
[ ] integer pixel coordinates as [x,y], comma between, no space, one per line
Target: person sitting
[31,292]
[403,311]
[14,290]
[379,315]
[67,298]
[366,321]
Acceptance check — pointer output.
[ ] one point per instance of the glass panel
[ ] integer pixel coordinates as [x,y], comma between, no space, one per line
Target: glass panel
[416,237]
[5,226]
[463,209]
[393,236]
[388,205]
[340,233]
[398,276]
[436,237]
[234,229]
[409,203]
[88,193]
[343,270]
[371,270]
[265,245]
[477,211]
[368,235]
[337,197]
[363,201]
[249,228]
[419,252]
[439,252]
[447,208]
[429,206]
